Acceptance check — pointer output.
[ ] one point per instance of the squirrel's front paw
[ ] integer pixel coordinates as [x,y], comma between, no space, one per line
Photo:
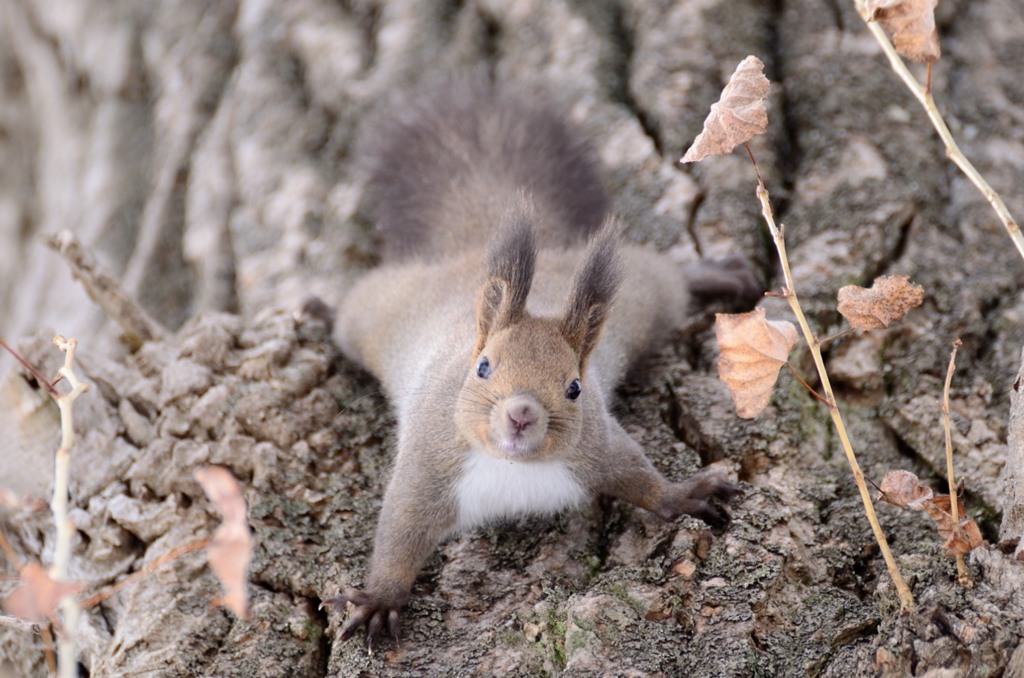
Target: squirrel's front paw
[369,610]
[693,497]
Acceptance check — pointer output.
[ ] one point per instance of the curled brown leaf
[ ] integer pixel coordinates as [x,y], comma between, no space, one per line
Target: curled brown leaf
[739,115]
[957,541]
[230,549]
[888,299]
[911,23]
[752,351]
[903,488]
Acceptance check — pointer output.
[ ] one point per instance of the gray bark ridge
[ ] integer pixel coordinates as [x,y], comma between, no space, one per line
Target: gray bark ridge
[1012,528]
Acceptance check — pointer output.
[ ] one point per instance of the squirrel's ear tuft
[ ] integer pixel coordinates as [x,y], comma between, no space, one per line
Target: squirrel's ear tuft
[593,289]
[511,257]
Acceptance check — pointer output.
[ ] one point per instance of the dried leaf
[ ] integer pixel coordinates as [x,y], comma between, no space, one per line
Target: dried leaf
[230,550]
[962,541]
[739,115]
[969,538]
[911,23]
[902,488]
[10,500]
[888,300]
[38,595]
[753,350]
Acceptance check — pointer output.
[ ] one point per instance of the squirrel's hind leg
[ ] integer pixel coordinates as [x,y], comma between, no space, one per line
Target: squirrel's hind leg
[726,284]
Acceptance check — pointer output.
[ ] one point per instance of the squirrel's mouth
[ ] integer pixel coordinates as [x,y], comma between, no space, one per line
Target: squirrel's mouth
[516,445]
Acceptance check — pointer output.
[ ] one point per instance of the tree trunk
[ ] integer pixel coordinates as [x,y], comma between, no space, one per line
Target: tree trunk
[207,154]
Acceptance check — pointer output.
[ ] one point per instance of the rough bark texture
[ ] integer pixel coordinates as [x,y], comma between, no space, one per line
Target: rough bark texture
[1012,528]
[206,153]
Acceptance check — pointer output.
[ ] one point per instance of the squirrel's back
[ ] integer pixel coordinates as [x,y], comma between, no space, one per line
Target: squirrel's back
[447,165]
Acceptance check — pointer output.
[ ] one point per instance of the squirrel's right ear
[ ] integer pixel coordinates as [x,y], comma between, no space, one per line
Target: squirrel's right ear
[511,258]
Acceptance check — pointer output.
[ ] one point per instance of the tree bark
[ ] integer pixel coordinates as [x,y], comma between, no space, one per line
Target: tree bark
[208,155]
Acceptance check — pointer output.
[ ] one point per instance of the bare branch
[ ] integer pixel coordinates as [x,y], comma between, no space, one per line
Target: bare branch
[67,661]
[106,291]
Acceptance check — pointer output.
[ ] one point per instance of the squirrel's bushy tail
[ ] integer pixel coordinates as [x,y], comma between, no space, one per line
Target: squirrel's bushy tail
[446,166]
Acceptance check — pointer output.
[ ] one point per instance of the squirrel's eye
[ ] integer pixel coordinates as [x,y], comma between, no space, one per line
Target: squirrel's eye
[573,392]
[483,368]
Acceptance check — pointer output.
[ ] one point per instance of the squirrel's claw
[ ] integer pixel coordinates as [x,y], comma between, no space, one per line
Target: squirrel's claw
[693,497]
[393,624]
[373,628]
[367,611]
[357,619]
[712,514]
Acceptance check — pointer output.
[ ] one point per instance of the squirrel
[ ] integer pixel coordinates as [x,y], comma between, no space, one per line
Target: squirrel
[504,313]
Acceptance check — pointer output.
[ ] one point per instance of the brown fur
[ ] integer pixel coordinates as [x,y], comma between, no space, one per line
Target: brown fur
[479,351]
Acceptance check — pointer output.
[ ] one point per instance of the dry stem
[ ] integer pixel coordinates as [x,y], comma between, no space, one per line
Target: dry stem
[51,661]
[923,95]
[67,660]
[148,569]
[963,576]
[902,590]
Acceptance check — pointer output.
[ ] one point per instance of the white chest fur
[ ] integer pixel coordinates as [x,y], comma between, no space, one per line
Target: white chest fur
[492,489]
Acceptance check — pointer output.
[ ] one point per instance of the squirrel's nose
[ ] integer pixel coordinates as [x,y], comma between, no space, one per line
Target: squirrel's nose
[522,415]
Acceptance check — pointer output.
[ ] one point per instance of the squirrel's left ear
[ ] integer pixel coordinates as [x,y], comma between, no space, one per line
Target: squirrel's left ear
[511,258]
[593,290]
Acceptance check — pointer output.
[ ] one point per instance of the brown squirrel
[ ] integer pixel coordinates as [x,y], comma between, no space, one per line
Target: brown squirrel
[499,332]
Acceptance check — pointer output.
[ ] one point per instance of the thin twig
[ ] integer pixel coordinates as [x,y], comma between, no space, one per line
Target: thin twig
[875,485]
[963,575]
[837,335]
[173,554]
[754,162]
[777,231]
[924,97]
[36,374]
[67,662]
[805,384]
[65,403]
